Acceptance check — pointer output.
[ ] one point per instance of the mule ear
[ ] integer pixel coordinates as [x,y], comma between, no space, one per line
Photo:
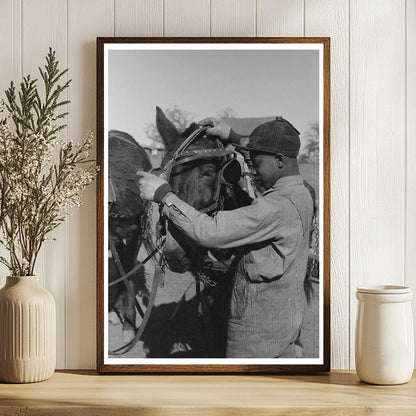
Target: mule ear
[167,130]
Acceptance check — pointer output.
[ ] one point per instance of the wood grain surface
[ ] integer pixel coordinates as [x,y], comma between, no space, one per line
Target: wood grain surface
[339,393]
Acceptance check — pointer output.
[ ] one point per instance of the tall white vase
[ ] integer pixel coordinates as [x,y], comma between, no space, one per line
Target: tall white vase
[27,331]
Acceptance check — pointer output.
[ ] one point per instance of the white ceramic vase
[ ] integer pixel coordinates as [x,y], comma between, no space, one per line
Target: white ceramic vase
[27,331]
[384,341]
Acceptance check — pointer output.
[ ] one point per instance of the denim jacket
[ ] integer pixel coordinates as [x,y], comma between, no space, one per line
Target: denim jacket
[268,300]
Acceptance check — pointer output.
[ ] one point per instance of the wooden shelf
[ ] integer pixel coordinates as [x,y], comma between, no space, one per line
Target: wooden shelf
[85,392]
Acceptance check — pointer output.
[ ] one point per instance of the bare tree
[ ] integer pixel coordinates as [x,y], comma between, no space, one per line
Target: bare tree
[227,112]
[310,152]
[180,118]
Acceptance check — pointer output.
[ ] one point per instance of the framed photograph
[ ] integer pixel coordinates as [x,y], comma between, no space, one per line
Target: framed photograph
[225,267]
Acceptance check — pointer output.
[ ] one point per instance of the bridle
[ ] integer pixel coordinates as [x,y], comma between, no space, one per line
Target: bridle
[229,171]
[228,174]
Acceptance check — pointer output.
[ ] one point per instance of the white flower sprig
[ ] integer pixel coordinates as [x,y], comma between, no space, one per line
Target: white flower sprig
[41,176]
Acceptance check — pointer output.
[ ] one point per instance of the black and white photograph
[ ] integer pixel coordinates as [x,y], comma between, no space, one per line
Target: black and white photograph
[212,252]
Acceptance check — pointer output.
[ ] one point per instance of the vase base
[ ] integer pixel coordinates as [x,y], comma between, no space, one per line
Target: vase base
[26,371]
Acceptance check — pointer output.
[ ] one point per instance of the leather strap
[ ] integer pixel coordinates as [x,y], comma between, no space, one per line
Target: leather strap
[157,277]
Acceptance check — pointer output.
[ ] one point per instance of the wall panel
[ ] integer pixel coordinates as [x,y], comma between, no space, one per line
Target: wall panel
[377,152]
[87,20]
[187,18]
[233,18]
[10,43]
[44,25]
[138,18]
[280,18]
[330,18]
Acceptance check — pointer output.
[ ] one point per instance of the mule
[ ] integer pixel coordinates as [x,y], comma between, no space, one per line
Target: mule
[126,208]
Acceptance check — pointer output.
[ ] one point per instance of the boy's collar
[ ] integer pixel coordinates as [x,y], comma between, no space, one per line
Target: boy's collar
[284,182]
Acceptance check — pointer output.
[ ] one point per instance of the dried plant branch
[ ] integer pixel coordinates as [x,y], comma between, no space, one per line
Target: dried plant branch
[36,193]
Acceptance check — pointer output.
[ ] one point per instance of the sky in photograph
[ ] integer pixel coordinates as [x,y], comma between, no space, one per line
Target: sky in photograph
[254,83]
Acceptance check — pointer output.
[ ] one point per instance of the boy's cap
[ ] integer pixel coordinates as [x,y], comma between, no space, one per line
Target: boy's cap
[277,136]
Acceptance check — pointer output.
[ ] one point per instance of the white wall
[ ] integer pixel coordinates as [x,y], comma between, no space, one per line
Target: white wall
[373,132]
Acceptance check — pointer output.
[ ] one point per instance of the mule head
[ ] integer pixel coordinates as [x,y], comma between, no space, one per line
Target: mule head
[194,183]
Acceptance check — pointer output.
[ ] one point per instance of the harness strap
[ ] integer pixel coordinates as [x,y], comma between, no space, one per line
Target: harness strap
[141,264]
[120,268]
[157,277]
[130,322]
[121,271]
[191,155]
[189,140]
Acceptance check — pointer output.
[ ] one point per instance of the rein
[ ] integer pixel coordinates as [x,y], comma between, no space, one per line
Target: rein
[157,279]
[139,266]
